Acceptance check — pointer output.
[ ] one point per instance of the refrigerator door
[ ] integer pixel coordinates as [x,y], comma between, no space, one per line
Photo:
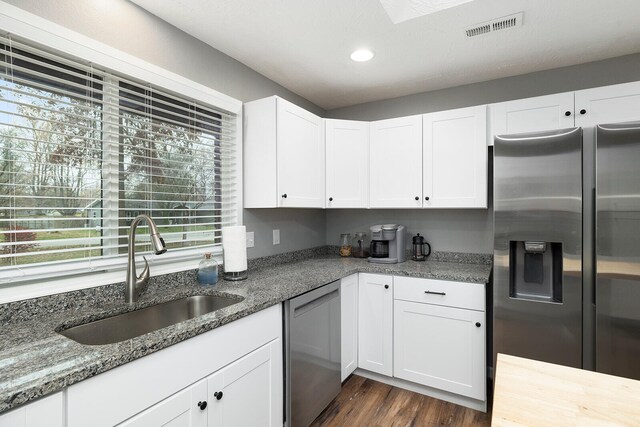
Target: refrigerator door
[538,246]
[618,249]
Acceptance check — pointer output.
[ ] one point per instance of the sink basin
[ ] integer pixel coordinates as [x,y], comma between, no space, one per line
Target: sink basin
[139,322]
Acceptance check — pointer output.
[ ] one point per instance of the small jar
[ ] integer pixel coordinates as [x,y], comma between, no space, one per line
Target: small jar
[360,245]
[345,245]
[208,270]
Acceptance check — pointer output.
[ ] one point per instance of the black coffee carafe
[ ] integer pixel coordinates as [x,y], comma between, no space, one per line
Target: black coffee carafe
[421,249]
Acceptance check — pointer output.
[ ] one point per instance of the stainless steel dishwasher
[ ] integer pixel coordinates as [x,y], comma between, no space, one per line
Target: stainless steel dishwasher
[312,353]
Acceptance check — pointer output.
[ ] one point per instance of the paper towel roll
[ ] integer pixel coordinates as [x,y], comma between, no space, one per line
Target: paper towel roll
[234,246]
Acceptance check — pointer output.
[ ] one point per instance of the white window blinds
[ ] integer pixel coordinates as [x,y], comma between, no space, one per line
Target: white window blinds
[84,151]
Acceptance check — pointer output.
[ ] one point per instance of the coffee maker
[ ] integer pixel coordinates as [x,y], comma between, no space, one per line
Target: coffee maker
[388,243]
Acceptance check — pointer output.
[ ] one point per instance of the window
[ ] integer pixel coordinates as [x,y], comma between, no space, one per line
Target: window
[83,151]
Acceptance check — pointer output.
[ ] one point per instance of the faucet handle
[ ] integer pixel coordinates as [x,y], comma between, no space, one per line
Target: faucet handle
[143,278]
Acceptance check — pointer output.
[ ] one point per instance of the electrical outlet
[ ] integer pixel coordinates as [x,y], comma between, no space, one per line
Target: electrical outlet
[276,237]
[251,242]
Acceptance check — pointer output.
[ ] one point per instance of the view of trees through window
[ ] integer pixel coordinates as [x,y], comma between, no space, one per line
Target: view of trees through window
[67,193]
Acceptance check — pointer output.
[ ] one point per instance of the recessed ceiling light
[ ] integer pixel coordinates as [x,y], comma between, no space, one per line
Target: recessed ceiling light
[361,55]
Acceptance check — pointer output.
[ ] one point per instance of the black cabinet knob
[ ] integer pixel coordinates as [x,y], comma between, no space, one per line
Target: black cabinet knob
[426,198]
[284,196]
[217,395]
[202,405]
[478,324]
[567,113]
[417,198]
[386,286]
[331,199]
[583,111]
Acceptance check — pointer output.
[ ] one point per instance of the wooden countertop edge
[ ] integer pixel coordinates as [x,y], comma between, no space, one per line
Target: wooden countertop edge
[532,393]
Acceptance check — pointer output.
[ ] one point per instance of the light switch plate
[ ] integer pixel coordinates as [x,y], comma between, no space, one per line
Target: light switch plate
[276,237]
[251,242]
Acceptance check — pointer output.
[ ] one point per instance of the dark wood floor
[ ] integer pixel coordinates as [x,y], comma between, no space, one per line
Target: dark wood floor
[364,402]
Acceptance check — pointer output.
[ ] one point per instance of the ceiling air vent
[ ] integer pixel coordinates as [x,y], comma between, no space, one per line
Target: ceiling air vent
[511,21]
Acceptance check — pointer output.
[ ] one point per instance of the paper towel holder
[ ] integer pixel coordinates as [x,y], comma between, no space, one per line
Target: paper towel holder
[234,276]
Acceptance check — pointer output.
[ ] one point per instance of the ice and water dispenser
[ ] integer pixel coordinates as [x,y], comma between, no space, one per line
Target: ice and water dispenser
[536,270]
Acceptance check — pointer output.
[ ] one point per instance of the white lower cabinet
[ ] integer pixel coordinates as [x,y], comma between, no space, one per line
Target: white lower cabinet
[349,325]
[45,412]
[243,360]
[375,323]
[183,409]
[241,394]
[425,335]
[440,347]
[222,399]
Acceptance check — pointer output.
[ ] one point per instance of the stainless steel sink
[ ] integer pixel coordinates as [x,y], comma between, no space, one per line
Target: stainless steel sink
[139,322]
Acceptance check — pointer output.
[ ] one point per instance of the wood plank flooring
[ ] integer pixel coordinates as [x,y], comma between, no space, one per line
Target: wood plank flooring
[364,402]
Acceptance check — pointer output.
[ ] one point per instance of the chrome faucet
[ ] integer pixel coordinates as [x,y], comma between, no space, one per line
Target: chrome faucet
[134,285]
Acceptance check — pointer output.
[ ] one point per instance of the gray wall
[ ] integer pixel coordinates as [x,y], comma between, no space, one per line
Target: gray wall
[127,27]
[601,73]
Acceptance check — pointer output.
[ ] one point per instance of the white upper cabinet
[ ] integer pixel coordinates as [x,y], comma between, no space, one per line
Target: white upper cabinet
[455,158]
[608,104]
[300,157]
[396,163]
[347,168]
[532,115]
[283,155]
[589,107]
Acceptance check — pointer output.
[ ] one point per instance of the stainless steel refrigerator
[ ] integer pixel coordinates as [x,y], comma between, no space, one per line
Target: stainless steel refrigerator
[567,247]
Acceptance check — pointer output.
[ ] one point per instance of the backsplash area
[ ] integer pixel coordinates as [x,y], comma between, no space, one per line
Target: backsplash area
[463,230]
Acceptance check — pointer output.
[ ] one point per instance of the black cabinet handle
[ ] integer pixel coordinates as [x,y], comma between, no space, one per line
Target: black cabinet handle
[331,199]
[435,293]
[583,111]
[417,198]
[202,405]
[478,324]
[567,113]
[426,198]
[217,395]
[284,196]
[386,286]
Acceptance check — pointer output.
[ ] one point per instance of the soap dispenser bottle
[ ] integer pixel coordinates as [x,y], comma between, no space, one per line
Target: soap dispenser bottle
[208,270]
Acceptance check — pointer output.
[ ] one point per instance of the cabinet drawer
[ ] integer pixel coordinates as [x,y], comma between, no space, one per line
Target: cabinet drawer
[440,292]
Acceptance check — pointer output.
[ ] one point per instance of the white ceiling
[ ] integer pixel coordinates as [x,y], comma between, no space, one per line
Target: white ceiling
[304,45]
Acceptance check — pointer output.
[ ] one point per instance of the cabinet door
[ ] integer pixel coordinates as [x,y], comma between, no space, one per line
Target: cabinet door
[455,158]
[375,323]
[396,163]
[183,409]
[347,169]
[349,324]
[532,114]
[440,347]
[300,157]
[47,411]
[246,393]
[608,104]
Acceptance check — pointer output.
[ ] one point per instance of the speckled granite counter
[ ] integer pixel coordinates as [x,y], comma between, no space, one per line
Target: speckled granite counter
[35,360]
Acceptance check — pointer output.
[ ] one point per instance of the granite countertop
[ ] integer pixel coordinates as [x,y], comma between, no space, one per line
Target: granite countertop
[36,361]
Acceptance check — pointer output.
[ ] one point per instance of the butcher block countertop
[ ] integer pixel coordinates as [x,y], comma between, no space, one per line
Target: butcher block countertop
[532,393]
